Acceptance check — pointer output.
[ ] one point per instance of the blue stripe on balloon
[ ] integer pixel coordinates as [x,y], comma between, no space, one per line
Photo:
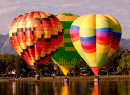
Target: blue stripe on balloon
[117,34]
[104,30]
[87,38]
[74,27]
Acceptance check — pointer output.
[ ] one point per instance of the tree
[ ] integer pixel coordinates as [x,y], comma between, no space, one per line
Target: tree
[113,62]
[124,63]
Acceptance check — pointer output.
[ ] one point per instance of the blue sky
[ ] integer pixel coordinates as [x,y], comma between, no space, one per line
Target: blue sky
[120,9]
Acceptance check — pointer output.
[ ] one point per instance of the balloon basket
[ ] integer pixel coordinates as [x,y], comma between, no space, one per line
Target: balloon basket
[66,80]
[96,79]
[37,77]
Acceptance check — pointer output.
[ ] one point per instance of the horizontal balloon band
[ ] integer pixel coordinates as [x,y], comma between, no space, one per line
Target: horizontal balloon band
[89,47]
[72,31]
[68,44]
[104,38]
[87,38]
[89,50]
[104,30]
[103,24]
[69,49]
[88,43]
[116,38]
[74,27]
[115,42]
[74,35]
[104,34]
[102,48]
[67,40]
[113,46]
[66,24]
[66,35]
[103,42]
[44,19]
[91,56]
[20,30]
[111,51]
[117,34]
[117,28]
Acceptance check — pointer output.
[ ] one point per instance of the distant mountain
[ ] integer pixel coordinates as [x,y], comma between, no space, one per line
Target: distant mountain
[6,46]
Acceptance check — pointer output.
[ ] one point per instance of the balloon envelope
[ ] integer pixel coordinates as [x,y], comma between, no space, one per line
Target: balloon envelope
[66,56]
[36,36]
[95,37]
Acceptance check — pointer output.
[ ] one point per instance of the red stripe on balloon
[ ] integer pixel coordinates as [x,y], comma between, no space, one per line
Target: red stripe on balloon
[89,47]
[104,38]
[103,42]
[90,50]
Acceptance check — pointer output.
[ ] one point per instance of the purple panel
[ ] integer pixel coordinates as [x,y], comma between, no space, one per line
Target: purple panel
[116,38]
[74,31]
[88,43]
[104,34]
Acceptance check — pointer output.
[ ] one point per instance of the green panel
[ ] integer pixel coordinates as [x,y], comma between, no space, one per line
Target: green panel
[116,28]
[69,45]
[66,24]
[68,14]
[66,35]
[101,58]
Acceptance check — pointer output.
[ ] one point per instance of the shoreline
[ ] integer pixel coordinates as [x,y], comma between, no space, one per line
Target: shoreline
[75,78]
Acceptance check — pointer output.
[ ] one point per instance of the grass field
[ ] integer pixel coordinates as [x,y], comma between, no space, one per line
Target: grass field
[77,78]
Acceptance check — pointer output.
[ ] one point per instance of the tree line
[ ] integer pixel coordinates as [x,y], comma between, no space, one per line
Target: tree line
[120,62]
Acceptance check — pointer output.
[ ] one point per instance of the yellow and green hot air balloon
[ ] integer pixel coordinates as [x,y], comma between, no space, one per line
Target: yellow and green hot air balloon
[95,37]
[66,56]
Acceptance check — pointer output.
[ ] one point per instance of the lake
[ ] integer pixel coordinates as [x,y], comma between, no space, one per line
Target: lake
[106,87]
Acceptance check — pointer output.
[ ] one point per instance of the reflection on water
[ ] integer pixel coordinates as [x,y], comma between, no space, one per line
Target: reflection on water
[61,88]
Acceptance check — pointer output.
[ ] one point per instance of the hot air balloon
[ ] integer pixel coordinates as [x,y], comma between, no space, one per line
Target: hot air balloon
[36,36]
[66,56]
[95,37]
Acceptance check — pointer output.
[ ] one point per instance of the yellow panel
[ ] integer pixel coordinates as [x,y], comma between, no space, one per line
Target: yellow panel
[69,49]
[54,31]
[111,52]
[100,17]
[61,17]
[91,56]
[87,32]
[69,18]
[102,48]
[66,69]
[47,36]
[37,56]
[67,40]
[19,26]
[78,21]
[62,44]
[89,22]
[29,43]
[77,45]
[112,20]
[66,31]
[75,16]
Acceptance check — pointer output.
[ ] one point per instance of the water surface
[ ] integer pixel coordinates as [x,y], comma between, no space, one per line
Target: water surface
[60,88]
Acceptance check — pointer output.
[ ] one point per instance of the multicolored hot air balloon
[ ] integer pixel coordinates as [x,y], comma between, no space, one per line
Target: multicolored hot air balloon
[66,56]
[95,37]
[36,36]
